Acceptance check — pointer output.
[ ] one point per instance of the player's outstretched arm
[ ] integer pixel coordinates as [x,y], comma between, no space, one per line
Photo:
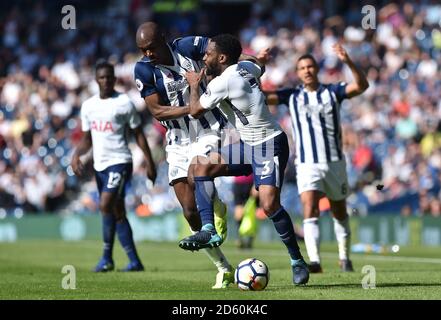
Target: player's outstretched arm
[142,143]
[83,148]
[193,78]
[261,59]
[361,84]
[247,57]
[161,112]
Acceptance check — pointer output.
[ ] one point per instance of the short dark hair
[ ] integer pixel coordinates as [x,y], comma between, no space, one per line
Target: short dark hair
[103,64]
[306,56]
[229,45]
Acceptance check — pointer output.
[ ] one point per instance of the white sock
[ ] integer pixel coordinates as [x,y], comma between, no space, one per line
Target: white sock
[343,235]
[312,238]
[218,258]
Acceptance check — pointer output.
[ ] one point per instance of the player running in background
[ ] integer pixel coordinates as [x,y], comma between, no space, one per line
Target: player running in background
[106,119]
[159,77]
[320,162]
[235,90]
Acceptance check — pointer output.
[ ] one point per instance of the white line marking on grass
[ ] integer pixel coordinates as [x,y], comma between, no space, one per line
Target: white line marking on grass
[389,258]
[272,252]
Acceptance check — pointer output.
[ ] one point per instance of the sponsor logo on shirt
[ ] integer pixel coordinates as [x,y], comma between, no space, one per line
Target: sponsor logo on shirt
[187,65]
[102,126]
[178,85]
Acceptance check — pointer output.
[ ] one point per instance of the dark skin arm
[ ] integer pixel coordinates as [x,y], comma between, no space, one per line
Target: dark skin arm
[83,147]
[261,59]
[361,84]
[161,112]
[143,145]
[193,78]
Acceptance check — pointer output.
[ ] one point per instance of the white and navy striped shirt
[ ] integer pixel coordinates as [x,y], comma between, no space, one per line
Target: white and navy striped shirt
[170,84]
[316,121]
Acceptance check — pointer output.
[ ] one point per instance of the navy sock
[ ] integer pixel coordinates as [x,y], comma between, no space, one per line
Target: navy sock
[108,235]
[204,194]
[126,238]
[285,229]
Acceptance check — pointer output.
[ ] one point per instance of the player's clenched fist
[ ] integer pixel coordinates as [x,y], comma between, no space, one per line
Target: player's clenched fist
[194,78]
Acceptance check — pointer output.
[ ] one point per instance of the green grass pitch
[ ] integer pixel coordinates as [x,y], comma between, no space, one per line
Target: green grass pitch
[32,270]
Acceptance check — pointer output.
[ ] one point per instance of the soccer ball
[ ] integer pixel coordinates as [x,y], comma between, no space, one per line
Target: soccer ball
[251,274]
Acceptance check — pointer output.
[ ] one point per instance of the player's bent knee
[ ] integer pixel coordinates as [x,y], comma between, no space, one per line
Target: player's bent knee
[201,170]
[106,208]
[210,166]
[269,207]
[210,170]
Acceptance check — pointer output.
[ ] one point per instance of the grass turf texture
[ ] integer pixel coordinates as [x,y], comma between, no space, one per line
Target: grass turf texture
[32,270]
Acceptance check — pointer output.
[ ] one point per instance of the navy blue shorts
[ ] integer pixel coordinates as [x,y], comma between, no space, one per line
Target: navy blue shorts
[114,179]
[268,159]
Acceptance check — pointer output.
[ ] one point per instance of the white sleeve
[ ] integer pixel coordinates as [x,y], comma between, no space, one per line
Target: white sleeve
[251,67]
[134,120]
[217,90]
[84,121]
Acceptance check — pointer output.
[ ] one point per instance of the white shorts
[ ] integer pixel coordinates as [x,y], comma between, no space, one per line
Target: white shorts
[179,156]
[330,178]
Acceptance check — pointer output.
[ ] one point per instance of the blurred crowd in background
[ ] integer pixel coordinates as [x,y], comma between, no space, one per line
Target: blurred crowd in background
[391,133]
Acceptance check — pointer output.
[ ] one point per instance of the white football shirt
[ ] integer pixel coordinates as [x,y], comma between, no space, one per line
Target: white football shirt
[236,91]
[108,121]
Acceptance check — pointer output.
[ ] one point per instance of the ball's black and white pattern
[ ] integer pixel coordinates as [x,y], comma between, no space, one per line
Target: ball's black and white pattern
[252,274]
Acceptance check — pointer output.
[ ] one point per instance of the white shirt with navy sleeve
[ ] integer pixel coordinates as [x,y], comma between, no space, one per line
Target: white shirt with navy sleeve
[315,119]
[236,91]
[170,84]
[108,121]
